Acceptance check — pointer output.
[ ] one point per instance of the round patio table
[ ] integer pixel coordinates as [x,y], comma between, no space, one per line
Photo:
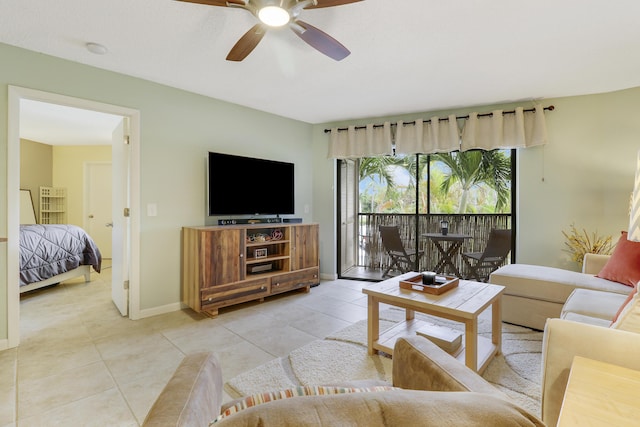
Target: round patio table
[448,246]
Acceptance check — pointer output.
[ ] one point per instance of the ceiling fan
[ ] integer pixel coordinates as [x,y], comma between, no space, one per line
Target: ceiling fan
[277,13]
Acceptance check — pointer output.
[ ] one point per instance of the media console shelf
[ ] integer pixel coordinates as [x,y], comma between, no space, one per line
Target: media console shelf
[227,265]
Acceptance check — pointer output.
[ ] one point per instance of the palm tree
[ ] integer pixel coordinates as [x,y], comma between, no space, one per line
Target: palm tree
[373,167]
[472,168]
[382,172]
[377,169]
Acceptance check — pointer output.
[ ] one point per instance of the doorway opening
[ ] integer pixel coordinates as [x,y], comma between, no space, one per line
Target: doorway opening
[125,194]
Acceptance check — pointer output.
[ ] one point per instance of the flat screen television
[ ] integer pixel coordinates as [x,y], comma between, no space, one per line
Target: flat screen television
[249,186]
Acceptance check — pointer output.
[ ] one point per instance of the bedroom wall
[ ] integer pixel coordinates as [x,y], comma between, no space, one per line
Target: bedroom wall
[40,155]
[584,175]
[177,130]
[68,171]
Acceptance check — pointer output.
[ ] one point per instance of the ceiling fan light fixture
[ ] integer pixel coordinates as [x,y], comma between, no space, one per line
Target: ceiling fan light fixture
[274,16]
[278,13]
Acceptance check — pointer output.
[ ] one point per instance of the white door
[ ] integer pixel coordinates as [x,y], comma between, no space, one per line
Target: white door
[121,223]
[99,214]
[349,229]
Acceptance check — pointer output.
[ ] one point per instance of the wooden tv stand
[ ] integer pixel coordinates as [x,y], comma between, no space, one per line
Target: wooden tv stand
[232,264]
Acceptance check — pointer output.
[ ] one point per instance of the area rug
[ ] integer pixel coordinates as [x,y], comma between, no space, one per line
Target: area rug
[342,356]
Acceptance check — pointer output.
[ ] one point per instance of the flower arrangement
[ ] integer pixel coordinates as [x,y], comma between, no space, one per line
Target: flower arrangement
[579,243]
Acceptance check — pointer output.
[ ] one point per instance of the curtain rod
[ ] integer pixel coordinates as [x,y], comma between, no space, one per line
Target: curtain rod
[549,108]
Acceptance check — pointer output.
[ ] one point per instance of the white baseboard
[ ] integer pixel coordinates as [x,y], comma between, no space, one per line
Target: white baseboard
[163,309]
[4,344]
[328,276]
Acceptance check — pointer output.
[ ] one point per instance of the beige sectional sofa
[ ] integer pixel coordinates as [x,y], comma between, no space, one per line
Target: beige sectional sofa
[576,311]
[563,340]
[535,293]
[434,390]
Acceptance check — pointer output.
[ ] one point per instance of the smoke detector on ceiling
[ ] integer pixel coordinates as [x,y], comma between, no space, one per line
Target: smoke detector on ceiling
[96,48]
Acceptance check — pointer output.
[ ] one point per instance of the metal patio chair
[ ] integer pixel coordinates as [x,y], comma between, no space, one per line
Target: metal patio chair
[482,264]
[403,259]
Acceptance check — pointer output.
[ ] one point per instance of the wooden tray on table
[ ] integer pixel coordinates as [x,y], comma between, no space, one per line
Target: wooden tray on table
[442,285]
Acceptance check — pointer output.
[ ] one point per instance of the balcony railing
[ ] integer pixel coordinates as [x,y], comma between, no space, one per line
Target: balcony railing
[371,253]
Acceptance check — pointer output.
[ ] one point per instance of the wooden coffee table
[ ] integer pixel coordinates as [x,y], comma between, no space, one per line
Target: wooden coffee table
[462,304]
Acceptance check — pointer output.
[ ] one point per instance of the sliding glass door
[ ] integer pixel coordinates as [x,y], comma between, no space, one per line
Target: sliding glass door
[471,190]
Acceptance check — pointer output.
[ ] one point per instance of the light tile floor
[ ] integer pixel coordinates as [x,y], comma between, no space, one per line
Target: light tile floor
[81,363]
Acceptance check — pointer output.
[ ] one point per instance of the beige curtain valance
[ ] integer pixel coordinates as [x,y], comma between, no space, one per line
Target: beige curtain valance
[518,129]
[486,131]
[355,143]
[432,136]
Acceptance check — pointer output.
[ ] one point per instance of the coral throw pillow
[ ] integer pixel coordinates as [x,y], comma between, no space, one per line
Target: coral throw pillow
[624,264]
[628,319]
[623,307]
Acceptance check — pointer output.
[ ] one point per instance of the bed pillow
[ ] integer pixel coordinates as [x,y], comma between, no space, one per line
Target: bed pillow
[624,264]
[258,399]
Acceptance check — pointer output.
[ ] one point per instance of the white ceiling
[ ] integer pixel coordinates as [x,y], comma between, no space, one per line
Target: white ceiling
[407,55]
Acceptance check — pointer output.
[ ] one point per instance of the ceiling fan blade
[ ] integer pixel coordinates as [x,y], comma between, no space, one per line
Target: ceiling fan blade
[320,40]
[247,43]
[214,2]
[330,3]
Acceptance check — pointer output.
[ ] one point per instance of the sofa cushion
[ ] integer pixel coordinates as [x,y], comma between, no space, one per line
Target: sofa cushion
[437,371]
[391,408]
[596,304]
[581,318]
[624,264]
[549,283]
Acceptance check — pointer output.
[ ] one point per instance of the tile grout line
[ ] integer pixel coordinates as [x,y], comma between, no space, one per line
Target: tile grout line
[115,382]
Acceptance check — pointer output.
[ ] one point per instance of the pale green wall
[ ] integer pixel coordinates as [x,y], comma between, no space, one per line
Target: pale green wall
[585,175]
[177,129]
[588,169]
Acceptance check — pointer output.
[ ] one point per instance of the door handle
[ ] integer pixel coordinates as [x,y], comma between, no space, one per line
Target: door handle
[109,224]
